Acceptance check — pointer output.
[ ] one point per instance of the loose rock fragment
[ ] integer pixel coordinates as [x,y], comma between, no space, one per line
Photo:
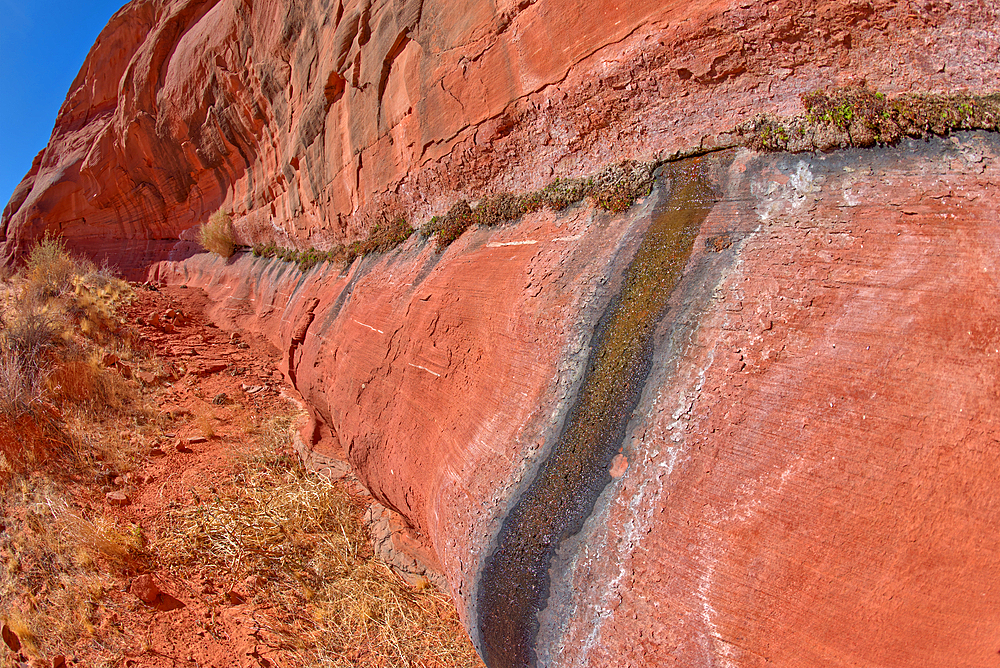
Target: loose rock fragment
[10,639]
[117,498]
[145,589]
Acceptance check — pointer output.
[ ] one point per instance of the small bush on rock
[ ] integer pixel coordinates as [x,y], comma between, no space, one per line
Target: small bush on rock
[217,235]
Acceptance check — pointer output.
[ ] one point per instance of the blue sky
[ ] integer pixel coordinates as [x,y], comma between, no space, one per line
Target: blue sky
[42,46]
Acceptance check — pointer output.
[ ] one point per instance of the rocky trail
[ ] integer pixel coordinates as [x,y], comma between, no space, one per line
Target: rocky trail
[197,618]
[217,396]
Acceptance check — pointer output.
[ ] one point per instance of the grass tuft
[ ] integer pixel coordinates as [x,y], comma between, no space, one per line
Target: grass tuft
[302,534]
[217,235]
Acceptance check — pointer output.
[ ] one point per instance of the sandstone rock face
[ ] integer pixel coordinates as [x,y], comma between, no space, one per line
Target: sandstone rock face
[802,471]
[312,121]
[811,446]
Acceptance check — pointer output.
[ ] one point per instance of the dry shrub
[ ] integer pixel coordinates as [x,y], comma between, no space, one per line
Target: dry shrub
[50,268]
[50,367]
[94,308]
[302,533]
[29,424]
[22,380]
[84,383]
[59,567]
[217,235]
[30,438]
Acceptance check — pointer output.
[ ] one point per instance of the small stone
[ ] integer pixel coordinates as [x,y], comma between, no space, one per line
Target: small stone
[220,399]
[147,377]
[235,597]
[208,368]
[117,498]
[10,639]
[156,452]
[145,589]
[254,582]
[118,481]
[181,446]
[110,360]
[125,370]
[618,466]
[194,440]
[59,661]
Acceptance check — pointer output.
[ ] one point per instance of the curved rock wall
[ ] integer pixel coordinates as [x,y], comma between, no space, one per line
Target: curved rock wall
[811,448]
[311,121]
[806,476]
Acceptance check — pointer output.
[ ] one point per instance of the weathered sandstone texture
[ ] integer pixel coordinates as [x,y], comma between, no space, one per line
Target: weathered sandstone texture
[805,475]
[312,120]
[812,450]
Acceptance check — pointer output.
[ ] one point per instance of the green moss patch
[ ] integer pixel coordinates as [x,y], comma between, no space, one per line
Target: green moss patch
[383,237]
[860,116]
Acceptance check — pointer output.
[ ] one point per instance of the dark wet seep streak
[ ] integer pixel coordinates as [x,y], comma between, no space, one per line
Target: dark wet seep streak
[513,586]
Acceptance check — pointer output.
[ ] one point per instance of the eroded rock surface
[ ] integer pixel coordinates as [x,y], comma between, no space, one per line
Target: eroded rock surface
[811,447]
[312,121]
[806,477]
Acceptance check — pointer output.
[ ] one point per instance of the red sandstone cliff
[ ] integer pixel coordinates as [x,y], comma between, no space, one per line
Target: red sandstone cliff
[810,464]
[310,121]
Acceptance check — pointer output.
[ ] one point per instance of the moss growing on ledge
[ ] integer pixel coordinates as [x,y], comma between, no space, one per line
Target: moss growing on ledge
[859,116]
[838,118]
[383,237]
[614,189]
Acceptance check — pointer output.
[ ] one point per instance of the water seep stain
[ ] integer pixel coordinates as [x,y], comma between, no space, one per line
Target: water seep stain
[514,583]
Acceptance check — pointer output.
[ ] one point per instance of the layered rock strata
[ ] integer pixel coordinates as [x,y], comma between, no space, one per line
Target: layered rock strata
[312,121]
[810,447]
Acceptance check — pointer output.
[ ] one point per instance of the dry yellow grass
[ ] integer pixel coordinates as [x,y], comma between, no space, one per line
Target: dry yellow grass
[61,418]
[217,235]
[68,424]
[59,566]
[302,534]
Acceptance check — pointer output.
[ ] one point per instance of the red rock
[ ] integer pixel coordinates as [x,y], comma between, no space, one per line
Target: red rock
[208,368]
[147,377]
[59,661]
[419,103]
[145,589]
[760,465]
[235,598]
[117,498]
[809,455]
[618,466]
[10,639]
